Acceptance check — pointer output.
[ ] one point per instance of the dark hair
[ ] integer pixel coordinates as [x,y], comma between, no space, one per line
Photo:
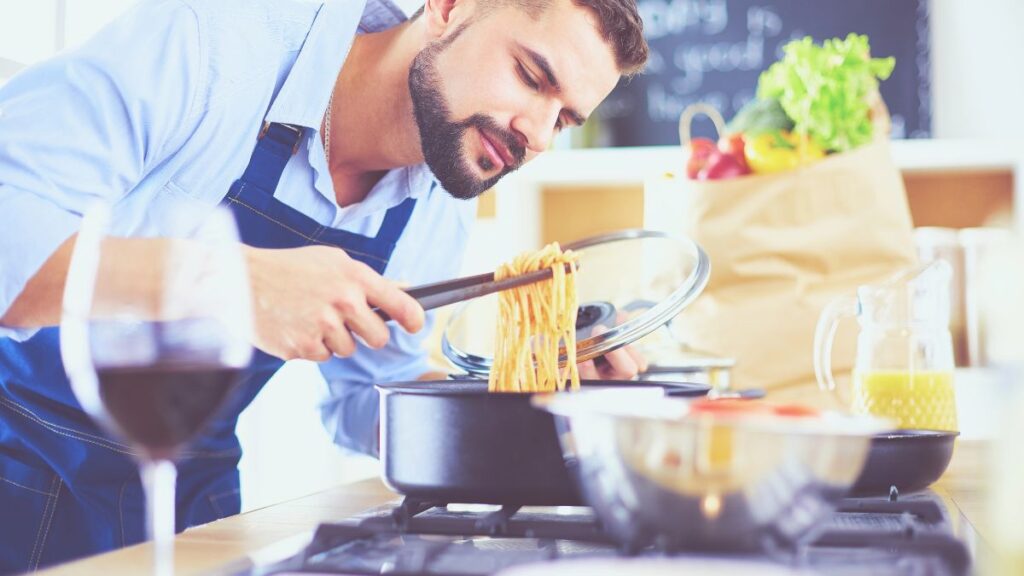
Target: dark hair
[622,28]
[619,21]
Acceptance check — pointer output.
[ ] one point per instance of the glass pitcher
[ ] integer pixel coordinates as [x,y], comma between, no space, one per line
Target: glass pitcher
[904,363]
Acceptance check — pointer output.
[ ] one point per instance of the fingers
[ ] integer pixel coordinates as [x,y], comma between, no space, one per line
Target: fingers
[331,338]
[634,353]
[638,358]
[588,371]
[402,308]
[315,351]
[355,308]
[339,343]
[357,321]
[315,301]
[615,365]
[339,335]
[370,328]
[621,365]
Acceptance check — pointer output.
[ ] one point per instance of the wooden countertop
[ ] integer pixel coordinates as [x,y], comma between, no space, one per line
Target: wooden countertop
[217,544]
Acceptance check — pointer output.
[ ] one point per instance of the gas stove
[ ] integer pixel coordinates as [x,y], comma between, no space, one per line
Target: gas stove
[878,536]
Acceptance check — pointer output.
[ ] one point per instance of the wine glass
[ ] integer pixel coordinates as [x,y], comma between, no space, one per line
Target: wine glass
[154,334]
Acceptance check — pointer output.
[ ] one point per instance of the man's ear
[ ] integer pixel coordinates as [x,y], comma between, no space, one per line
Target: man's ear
[440,15]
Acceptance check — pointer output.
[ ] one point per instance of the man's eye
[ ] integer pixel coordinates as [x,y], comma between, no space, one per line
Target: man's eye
[559,124]
[527,79]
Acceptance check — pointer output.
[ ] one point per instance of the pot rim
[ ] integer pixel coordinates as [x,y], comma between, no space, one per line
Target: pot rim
[478,387]
[915,435]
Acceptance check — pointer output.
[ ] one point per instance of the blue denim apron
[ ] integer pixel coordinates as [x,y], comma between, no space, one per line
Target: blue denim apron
[68,490]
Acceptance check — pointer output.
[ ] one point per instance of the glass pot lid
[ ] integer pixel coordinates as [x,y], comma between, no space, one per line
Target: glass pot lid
[629,282]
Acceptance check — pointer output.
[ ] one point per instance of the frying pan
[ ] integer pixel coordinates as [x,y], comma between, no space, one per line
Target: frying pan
[449,441]
[910,460]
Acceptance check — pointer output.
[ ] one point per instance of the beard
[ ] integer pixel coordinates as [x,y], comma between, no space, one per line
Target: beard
[441,136]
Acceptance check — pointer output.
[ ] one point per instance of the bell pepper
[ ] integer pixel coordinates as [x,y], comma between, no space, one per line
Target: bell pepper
[773,152]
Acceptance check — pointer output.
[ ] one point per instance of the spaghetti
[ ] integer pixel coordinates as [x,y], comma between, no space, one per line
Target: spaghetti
[535,322]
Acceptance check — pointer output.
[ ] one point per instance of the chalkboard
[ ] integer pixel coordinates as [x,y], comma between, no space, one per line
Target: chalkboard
[714,50]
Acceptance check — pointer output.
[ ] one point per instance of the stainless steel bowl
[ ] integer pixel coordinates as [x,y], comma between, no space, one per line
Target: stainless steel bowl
[657,472]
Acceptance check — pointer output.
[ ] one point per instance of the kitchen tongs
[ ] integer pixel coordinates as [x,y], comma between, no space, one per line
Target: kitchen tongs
[451,291]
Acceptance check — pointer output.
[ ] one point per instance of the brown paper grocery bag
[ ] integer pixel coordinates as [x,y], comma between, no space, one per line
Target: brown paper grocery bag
[782,247]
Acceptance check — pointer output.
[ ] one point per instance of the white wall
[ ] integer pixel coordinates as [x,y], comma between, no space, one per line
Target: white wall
[978,81]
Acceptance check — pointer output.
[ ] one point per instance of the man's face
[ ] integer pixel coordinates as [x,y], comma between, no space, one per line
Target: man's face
[490,94]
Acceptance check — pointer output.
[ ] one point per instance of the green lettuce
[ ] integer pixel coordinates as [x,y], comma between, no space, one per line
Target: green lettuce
[825,89]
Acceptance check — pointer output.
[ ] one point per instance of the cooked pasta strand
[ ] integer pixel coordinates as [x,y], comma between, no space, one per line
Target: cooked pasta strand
[535,321]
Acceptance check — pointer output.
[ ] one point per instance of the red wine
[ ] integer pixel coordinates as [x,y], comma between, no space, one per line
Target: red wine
[161,407]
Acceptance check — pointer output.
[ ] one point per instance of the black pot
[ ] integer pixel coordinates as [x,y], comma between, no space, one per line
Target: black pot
[451,441]
[910,460]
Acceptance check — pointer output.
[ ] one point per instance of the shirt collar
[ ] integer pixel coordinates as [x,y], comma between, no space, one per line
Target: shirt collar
[307,89]
[421,180]
[406,182]
[416,181]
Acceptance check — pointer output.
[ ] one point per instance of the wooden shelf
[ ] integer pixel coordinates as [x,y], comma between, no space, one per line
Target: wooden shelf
[630,165]
[960,198]
[950,183]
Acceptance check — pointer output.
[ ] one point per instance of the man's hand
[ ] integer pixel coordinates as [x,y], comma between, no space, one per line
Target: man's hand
[622,364]
[309,302]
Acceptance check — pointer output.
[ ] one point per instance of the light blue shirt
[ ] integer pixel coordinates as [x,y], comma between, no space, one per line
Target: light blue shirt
[162,107]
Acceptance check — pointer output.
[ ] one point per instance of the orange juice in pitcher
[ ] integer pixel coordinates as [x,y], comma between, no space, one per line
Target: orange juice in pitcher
[916,400]
[904,365]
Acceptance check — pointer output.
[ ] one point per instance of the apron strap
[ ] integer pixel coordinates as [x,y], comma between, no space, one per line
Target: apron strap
[395,220]
[276,144]
[257,186]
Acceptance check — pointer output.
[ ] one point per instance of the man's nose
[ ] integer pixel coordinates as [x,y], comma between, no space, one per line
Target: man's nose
[538,126]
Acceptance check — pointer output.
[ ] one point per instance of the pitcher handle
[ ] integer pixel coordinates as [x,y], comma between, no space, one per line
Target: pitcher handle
[824,338]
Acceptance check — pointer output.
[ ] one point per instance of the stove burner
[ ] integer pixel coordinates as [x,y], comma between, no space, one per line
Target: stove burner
[413,516]
[898,537]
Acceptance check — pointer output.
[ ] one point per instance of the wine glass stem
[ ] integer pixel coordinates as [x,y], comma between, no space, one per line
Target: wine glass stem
[158,480]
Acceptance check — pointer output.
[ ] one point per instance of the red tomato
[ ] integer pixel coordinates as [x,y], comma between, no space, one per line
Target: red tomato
[722,166]
[735,145]
[700,150]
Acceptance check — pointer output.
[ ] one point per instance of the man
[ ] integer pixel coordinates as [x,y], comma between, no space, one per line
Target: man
[345,142]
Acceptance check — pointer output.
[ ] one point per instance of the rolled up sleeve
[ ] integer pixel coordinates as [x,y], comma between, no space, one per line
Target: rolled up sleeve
[87,126]
[27,242]
[352,412]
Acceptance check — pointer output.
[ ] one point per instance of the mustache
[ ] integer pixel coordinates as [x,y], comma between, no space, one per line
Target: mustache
[511,141]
